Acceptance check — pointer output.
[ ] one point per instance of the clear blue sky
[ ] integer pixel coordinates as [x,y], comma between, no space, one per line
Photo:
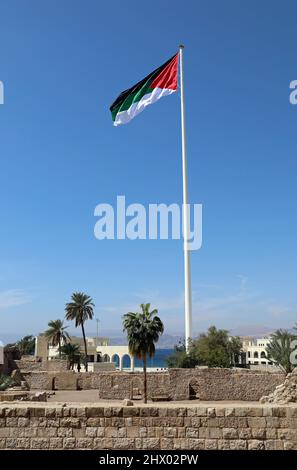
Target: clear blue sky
[62,64]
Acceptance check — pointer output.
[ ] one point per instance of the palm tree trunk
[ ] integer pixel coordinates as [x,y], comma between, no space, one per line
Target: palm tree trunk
[85,343]
[144,382]
[59,348]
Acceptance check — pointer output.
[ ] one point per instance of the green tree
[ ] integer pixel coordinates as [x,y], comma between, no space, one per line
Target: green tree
[80,309]
[72,354]
[143,331]
[213,349]
[26,345]
[56,334]
[235,349]
[279,350]
[180,358]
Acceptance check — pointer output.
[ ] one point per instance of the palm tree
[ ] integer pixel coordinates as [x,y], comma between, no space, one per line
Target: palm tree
[80,309]
[279,350]
[26,345]
[72,353]
[56,334]
[143,331]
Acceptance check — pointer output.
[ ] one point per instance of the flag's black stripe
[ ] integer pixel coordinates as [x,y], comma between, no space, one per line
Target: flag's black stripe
[122,96]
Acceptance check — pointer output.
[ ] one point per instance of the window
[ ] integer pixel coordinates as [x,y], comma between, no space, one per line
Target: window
[256,354]
[263,355]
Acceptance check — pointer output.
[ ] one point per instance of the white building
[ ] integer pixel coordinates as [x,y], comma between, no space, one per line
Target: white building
[99,351]
[255,350]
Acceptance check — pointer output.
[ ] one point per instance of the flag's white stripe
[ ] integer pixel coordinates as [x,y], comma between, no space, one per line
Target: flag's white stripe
[125,116]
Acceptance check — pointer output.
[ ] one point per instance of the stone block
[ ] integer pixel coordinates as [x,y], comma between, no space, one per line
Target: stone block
[125,444]
[272,422]
[50,412]
[223,444]
[244,433]
[229,412]
[290,445]
[12,422]
[273,444]
[257,422]
[103,443]
[65,432]
[22,412]
[230,433]
[170,432]
[167,443]
[215,433]
[55,443]
[96,412]
[84,443]
[196,444]
[47,432]
[91,432]
[94,422]
[39,443]
[180,444]
[2,443]
[23,422]
[192,432]
[279,412]
[255,445]
[258,433]
[70,422]
[211,444]
[238,444]
[69,443]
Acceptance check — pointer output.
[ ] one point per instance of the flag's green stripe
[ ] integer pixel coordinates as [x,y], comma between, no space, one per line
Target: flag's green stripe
[135,93]
[133,97]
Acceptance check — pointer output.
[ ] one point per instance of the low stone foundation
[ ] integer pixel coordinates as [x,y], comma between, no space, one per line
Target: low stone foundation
[176,384]
[237,427]
[184,384]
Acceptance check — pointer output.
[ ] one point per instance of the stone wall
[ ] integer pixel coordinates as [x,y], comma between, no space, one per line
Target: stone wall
[39,380]
[222,384]
[38,365]
[52,426]
[176,384]
[183,384]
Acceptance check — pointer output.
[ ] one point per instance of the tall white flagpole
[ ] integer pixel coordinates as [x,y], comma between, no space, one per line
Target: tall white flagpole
[186,211]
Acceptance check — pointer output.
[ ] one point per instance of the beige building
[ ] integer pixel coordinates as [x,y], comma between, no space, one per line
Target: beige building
[98,351]
[255,350]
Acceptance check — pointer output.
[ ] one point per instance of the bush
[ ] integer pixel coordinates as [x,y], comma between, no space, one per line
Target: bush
[5,382]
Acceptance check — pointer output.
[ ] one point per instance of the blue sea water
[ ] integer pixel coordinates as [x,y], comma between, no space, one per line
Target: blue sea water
[158,360]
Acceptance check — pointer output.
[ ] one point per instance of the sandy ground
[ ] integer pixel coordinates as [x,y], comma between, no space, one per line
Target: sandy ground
[85,398]
[91,396]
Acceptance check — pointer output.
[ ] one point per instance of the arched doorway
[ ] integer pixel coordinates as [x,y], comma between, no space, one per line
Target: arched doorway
[116,359]
[106,358]
[193,390]
[126,361]
[54,383]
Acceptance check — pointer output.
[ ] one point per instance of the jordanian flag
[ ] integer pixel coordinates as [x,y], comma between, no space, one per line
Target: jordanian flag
[161,82]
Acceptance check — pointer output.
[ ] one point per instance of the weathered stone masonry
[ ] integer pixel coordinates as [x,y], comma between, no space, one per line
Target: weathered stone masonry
[53,426]
[177,384]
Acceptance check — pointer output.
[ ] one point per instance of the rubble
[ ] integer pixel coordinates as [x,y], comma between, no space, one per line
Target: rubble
[284,393]
[128,402]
